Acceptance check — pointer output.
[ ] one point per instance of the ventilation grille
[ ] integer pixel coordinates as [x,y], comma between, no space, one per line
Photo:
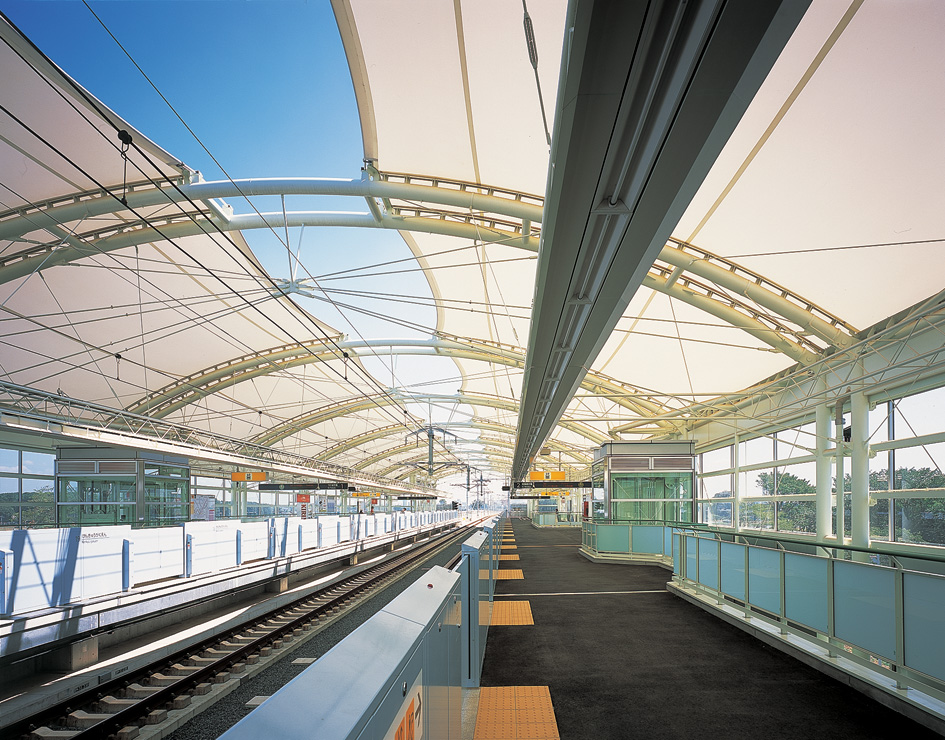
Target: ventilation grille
[75,466]
[672,463]
[624,464]
[117,467]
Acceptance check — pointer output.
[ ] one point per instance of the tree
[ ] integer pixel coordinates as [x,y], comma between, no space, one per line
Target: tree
[792,516]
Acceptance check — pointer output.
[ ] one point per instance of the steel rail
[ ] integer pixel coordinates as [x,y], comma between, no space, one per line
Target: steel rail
[315,606]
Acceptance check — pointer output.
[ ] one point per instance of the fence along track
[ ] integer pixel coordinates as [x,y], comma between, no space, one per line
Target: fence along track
[147,695]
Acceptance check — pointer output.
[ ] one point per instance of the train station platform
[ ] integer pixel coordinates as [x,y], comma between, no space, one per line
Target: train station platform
[618,656]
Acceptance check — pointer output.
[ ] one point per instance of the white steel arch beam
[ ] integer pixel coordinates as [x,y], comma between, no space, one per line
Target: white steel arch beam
[472,224]
[477,424]
[351,406]
[189,390]
[440,191]
[762,291]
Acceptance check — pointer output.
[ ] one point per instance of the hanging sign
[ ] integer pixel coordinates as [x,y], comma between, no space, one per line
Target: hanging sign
[247,476]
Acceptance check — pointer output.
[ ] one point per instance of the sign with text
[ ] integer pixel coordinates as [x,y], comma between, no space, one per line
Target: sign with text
[243,476]
[546,475]
[303,498]
[324,486]
[409,722]
[526,484]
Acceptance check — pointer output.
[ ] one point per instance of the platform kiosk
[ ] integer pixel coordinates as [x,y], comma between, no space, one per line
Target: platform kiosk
[643,482]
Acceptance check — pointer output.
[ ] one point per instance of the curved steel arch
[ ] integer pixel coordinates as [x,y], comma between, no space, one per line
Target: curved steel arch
[476,423]
[191,389]
[516,229]
[350,406]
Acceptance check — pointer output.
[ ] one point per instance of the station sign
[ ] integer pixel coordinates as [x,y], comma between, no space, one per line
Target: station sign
[536,475]
[329,486]
[528,484]
[244,476]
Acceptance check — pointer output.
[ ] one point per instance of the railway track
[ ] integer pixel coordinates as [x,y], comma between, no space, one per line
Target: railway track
[138,703]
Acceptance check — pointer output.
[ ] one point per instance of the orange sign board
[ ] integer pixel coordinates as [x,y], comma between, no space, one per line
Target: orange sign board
[303,498]
[248,476]
[546,475]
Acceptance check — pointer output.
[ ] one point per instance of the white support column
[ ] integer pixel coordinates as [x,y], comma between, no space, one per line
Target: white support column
[824,472]
[841,448]
[736,486]
[860,471]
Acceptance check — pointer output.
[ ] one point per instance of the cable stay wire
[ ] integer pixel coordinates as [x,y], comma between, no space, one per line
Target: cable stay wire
[173,184]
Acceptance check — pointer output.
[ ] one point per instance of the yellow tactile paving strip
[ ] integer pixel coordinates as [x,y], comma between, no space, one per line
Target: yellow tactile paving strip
[511,613]
[508,557]
[509,574]
[514,713]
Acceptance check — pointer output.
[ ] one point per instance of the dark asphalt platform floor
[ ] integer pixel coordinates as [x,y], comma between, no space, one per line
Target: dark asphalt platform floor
[624,658]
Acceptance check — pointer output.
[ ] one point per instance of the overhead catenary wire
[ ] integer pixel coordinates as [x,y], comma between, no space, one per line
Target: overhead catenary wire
[287,243]
[173,184]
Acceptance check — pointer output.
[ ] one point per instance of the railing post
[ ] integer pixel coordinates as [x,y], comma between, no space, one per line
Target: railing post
[900,623]
[6,580]
[127,568]
[831,632]
[188,555]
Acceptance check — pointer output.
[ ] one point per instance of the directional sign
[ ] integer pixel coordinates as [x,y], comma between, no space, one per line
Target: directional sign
[546,475]
[526,484]
[247,476]
[330,486]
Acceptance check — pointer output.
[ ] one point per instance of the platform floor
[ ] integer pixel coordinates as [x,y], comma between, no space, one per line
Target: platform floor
[624,658]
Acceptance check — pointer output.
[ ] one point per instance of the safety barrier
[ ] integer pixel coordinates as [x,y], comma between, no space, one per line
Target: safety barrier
[604,540]
[49,568]
[556,519]
[881,612]
[480,560]
[395,676]
[398,675]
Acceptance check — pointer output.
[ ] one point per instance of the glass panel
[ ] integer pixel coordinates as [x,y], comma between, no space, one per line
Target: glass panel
[920,467]
[716,486]
[764,579]
[648,539]
[758,450]
[89,514]
[709,563]
[920,520]
[38,491]
[923,606]
[39,463]
[753,482]
[805,590]
[38,516]
[879,519]
[796,442]
[720,459]
[692,558]
[920,414]
[756,514]
[796,479]
[797,516]
[716,514]
[733,570]
[9,516]
[9,461]
[864,607]
[613,538]
[878,424]
[9,489]
[638,510]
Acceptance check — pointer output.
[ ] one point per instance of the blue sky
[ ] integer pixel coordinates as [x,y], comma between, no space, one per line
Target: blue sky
[264,84]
